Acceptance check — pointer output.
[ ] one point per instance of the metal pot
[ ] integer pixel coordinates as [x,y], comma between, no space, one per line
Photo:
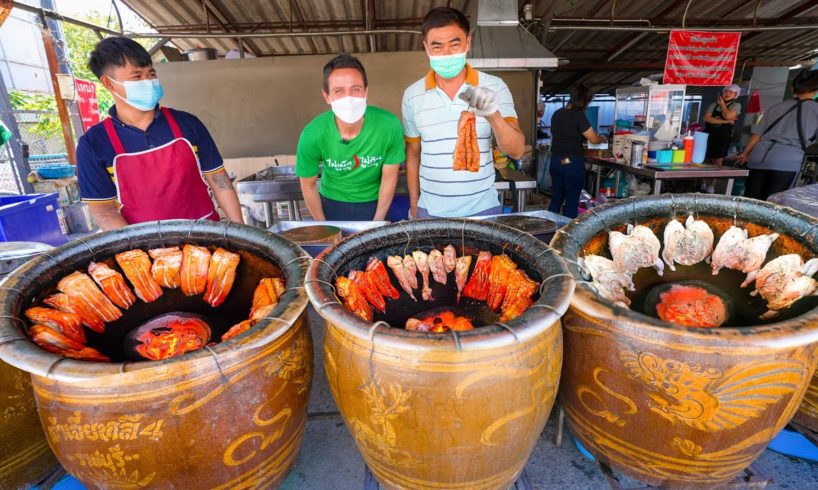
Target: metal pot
[675,406]
[431,411]
[230,415]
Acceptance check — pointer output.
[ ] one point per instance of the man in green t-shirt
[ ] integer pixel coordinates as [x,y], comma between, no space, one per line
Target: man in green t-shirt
[359,147]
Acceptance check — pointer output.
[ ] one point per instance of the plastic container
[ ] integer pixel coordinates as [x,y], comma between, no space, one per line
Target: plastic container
[30,218]
[699,146]
[56,171]
[637,149]
[678,156]
[664,156]
[687,144]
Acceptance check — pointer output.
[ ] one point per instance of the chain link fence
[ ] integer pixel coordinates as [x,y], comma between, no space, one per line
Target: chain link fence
[41,131]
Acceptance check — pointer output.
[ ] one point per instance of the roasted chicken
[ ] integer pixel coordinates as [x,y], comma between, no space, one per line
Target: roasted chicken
[637,249]
[137,268]
[688,244]
[354,299]
[55,342]
[411,269]
[478,285]
[267,293]
[609,282]
[193,273]
[449,258]
[89,316]
[518,295]
[220,276]
[84,291]
[378,276]
[112,284]
[499,269]
[238,329]
[461,273]
[396,264]
[70,324]
[436,266]
[368,287]
[167,264]
[422,262]
[736,251]
[785,280]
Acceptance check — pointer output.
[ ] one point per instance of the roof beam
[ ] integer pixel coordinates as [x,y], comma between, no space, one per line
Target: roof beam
[214,11]
[789,14]
[296,6]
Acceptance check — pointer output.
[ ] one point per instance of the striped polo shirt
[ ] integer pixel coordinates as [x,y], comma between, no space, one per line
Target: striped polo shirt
[430,117]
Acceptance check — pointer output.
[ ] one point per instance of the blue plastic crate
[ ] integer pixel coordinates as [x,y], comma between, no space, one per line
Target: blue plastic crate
[31,218]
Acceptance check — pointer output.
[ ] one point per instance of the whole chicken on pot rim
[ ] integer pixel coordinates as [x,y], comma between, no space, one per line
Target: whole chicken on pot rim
[785,280]
[688,244]
[736,251]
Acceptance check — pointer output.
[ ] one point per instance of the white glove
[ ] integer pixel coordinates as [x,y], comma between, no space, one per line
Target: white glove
[484,100]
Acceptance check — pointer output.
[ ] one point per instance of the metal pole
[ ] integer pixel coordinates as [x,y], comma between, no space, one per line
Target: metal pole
[53,67]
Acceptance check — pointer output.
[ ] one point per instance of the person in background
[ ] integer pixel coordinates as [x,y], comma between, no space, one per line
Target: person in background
[569,129]
[778,144]
[720,120]
[431,111]
[146,162]
[359,146]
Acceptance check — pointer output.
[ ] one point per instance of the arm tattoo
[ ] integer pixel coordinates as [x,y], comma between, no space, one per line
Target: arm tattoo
[222,181]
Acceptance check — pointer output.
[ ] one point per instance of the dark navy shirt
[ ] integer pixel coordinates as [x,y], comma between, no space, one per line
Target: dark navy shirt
[95,154]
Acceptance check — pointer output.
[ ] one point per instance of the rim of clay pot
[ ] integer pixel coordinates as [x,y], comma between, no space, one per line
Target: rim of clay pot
[26,283]
[570,240]
[556,291]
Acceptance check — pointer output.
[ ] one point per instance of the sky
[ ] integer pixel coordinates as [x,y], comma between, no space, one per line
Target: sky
[76,8]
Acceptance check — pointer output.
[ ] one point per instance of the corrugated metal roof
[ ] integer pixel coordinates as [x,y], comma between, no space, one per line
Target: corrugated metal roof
[611,50]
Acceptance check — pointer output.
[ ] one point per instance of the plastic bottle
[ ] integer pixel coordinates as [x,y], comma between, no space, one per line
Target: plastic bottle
[688,146]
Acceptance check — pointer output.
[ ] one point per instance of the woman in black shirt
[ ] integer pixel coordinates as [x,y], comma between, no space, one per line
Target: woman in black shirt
[569,128]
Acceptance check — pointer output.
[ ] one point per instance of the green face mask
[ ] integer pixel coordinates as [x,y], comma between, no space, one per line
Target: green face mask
[448,66]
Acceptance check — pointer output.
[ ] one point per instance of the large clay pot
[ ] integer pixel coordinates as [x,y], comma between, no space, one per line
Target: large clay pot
[25,458]
[229,416]
[431,411]
[675,406]
[807,414]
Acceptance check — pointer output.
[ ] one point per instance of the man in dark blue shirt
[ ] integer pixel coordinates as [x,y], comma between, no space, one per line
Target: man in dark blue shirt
[147,162]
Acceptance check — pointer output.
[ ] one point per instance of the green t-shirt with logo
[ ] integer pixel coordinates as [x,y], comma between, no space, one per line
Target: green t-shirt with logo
[351,170]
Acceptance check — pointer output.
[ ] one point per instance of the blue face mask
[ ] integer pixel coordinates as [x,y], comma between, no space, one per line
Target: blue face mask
[141,94]
[448,66]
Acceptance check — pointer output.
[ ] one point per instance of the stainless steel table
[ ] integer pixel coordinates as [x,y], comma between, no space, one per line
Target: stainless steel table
[280,184]
[657,175]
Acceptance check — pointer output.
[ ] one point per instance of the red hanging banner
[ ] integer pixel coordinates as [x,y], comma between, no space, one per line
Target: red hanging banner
[701,58]
[87,102]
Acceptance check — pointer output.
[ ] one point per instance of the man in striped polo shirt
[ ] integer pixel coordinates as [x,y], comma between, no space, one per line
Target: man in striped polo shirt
[431,111]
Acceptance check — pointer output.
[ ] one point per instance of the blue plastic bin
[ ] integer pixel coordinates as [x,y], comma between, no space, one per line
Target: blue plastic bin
[31,218]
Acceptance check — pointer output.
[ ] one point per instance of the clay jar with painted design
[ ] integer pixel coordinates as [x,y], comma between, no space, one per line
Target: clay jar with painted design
[437,410]
[675,406]
[228,416]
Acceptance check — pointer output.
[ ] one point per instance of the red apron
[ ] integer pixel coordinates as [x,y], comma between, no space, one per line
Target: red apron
[160,183]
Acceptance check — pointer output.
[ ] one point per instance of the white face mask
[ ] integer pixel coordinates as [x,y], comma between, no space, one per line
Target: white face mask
[349,109]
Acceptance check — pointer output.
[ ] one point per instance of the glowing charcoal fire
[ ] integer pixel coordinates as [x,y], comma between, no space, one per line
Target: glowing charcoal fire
[168,335]
[691,306]
[440,320]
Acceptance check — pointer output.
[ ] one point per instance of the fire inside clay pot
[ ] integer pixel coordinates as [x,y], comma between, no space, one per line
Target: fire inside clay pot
[230,415]
[677,406]
[443,410]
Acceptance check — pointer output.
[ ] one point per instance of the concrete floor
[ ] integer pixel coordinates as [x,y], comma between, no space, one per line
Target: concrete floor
[329,458]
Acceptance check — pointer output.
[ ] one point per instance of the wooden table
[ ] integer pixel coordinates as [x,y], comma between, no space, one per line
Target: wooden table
[658,174]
